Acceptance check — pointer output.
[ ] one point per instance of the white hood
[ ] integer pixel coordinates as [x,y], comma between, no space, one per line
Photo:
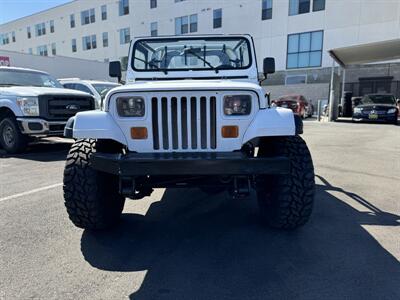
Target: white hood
[25,91]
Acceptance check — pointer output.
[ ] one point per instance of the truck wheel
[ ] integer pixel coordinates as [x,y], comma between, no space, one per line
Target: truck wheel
[11,138]
[286,201]
[91,197]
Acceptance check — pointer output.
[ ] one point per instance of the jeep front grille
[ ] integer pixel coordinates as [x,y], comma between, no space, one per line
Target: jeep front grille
[181,123]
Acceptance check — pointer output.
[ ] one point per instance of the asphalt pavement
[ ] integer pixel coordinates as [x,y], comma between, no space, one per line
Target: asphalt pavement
[184,244]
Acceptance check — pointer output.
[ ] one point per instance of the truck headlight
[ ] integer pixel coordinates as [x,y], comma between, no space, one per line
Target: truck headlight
[237,105]
[130,106]
[29,105]
[357,110]
[391,111]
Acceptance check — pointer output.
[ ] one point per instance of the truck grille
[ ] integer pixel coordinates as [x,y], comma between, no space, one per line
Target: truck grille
[181,123]
[60,107]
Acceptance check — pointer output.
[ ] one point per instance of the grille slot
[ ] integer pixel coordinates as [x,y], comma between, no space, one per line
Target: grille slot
[181,123]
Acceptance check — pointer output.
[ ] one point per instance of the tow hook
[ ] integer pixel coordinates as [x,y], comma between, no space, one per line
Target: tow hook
[128,188]
[241,187]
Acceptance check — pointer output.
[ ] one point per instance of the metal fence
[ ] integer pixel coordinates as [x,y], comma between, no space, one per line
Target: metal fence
[362,88]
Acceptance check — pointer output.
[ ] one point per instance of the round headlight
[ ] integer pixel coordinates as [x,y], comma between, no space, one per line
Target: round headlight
[237,105]
[130,106]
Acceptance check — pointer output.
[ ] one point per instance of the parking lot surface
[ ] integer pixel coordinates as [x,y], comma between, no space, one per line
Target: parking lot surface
[183,244]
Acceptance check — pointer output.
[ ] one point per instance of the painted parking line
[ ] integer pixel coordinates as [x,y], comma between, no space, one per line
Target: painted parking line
[30,192]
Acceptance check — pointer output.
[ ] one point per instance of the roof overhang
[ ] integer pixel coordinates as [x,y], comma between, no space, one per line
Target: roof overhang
[367,53]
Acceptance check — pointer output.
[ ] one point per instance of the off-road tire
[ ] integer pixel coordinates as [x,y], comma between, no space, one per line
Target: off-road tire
[91,197]
[286,201]
[18,141]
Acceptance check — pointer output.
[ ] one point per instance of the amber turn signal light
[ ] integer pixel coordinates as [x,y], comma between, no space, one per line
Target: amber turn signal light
[230,131]
[139,133]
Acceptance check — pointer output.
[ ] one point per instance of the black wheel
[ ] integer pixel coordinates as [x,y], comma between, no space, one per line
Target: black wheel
[11,138]
[286,201]
[91,197]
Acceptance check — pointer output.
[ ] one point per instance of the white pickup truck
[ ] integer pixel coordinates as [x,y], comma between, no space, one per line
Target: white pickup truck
[34,104]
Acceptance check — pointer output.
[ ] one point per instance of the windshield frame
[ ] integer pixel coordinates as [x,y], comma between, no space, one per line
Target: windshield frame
[192,38]
[37,73]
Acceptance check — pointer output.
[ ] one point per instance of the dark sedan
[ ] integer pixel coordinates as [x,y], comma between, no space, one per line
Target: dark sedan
[376,108]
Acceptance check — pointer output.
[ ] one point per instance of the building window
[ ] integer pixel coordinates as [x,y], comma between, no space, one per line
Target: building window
[124,36]
[40,29]
[266,12]
[217,21]
[154,29]
[193,23]
[123,7]
[28,32]
[88,16]
[295,79]
[104,12]
[52,26]
[53,49]
[42,50]
[105,39]
[318,5]
[30,51]
[304,50]
[72,21]
[13,36]
[153,3]
[73,43]
[297,7]
[4,39]
[89,42]
[181,25]
[124,63]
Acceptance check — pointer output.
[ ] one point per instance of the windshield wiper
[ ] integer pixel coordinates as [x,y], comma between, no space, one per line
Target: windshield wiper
[191,51]
[151,64]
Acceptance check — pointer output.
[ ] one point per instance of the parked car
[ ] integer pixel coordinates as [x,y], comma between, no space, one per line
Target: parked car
[34,104]
[98,89]
[376,108]
[297,103]
[191,114]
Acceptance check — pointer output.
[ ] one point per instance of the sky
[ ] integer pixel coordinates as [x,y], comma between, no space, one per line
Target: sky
[14,9]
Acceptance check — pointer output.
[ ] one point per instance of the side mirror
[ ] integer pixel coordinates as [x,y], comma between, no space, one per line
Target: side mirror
[114,70]
[269,66]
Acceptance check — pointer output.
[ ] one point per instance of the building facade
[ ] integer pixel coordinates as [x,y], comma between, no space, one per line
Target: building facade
[298,33]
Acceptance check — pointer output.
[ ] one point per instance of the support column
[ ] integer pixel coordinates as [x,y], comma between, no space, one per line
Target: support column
[343,90]
[332,94]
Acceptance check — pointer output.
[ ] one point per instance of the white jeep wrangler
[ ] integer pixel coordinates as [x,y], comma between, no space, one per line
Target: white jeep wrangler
[192,114]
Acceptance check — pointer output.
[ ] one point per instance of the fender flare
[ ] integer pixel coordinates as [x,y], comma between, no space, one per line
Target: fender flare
[273,122]
[11,105]
[94,125]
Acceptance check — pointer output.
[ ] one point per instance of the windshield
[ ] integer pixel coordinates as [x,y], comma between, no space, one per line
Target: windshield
[288,98]
[103,88]
[378,99]
[27,78]
[181,54]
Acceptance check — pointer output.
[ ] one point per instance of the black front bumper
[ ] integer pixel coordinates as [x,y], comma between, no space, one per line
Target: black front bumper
[164,164]
[389,118]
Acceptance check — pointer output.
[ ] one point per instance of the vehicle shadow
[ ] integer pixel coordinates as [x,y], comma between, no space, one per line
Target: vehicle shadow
[198,247]
[43,151]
